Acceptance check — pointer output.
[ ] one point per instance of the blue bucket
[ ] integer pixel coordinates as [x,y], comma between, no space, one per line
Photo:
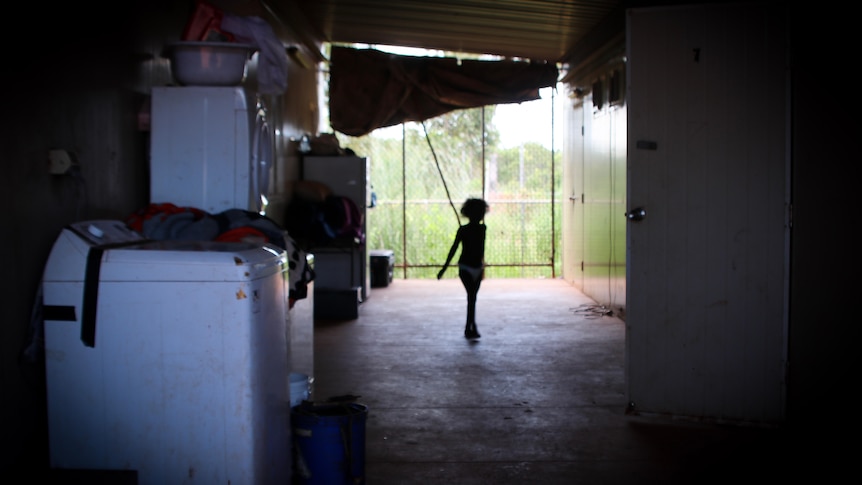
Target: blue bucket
[329,443]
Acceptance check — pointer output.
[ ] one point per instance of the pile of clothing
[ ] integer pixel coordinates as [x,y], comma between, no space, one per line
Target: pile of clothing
[167,221]
[318,217]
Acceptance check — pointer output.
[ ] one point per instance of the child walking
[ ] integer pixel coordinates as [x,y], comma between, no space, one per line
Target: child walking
[471,263]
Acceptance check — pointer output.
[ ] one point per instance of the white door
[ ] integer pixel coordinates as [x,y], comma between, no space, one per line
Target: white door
[708,254]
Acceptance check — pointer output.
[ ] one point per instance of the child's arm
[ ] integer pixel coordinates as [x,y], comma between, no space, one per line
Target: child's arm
[450,255]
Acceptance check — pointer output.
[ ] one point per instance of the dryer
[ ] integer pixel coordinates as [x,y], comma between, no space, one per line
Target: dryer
[211,148]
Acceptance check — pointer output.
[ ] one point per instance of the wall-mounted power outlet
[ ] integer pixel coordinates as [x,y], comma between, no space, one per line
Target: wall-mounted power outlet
[59,162]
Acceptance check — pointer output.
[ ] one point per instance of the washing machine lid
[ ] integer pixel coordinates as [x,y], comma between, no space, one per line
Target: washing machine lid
[68,258]
[192,261]
[116,253]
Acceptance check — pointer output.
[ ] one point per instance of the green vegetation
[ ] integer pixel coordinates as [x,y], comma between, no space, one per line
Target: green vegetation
[419,191]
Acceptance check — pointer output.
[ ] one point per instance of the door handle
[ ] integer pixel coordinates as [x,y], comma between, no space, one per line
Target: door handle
[636,214]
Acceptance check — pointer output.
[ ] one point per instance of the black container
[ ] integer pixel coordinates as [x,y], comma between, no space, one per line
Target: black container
[382,266]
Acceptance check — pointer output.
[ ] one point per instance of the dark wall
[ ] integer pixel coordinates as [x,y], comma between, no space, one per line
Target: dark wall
[76,82]
[824,264]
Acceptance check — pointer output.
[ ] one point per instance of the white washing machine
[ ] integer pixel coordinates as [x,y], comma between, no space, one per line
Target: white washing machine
[211,148]
[167,357]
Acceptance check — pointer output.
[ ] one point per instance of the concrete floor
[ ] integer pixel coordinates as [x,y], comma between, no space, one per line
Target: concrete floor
[539,398]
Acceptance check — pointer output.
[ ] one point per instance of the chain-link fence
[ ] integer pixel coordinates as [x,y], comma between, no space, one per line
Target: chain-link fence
[421,173]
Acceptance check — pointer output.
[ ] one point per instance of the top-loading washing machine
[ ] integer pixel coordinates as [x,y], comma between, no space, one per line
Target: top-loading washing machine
[211,148]
[167,357]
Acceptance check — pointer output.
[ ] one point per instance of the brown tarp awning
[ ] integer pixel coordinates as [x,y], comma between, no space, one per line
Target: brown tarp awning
[370,89]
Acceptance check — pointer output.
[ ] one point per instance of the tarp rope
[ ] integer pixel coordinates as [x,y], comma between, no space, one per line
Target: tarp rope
[440,171]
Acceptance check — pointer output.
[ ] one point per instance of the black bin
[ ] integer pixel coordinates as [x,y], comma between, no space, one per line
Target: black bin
[382,265]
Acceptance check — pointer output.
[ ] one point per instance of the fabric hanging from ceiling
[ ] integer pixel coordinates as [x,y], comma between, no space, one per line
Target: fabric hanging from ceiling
[370,89]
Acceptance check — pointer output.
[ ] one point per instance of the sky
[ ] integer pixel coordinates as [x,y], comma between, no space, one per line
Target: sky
[529,121]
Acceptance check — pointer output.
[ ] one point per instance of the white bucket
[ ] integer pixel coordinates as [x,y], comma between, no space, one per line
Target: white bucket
[300,388]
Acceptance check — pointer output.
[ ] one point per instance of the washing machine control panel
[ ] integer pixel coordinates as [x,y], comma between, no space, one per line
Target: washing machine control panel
[103,232]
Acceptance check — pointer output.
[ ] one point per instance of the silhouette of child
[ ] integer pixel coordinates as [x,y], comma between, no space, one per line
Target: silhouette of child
[471,263]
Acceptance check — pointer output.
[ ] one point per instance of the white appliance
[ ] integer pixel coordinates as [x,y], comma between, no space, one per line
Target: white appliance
[167,357]
[210,148]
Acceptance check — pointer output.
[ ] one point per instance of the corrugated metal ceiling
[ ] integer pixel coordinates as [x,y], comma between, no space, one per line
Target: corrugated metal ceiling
[531,29]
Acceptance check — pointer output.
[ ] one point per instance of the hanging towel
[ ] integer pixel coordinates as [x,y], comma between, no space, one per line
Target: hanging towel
[272,57]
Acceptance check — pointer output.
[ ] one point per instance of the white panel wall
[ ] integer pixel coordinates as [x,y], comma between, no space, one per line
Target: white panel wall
[572,222]
[594,175]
